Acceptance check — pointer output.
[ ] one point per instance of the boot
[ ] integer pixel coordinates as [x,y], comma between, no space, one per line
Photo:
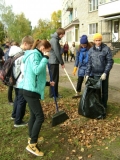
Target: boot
[32,148]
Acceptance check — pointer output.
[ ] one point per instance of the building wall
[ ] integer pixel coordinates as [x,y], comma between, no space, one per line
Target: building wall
[85,18]
[109,8]
[66,20]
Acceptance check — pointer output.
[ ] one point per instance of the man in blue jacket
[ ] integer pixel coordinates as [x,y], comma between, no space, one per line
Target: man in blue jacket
[100,63]
[55,59]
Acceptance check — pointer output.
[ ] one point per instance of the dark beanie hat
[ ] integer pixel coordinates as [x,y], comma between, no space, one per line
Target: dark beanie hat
[84,39]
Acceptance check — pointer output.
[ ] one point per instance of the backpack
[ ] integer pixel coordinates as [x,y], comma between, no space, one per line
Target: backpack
[6,74]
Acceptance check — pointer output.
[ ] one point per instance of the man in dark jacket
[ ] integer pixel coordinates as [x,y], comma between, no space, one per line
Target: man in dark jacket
[55,59]
[100,63]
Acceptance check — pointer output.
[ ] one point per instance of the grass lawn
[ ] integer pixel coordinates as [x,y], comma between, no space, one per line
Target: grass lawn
[117,60]
[79,138]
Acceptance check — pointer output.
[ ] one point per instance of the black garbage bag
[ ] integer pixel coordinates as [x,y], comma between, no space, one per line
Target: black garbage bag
[90,103]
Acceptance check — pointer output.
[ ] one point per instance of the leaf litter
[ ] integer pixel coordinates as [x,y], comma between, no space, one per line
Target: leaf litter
[87,132]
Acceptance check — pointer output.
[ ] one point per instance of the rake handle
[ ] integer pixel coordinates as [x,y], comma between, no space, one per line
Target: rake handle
[70,80]
[53,89]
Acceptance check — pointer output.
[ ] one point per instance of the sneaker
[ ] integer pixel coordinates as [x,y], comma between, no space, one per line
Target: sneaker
[12,118]
[40,139]
[21,124]
[32,148]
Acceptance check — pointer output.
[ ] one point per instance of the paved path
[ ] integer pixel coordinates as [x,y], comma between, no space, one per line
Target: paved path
[114,81]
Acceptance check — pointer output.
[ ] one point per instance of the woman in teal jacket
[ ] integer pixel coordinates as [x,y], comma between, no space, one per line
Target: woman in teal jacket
[33,85]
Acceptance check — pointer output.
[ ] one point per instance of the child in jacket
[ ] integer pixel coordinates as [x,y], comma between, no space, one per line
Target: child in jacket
[33,85]
[81,62]
[100,63]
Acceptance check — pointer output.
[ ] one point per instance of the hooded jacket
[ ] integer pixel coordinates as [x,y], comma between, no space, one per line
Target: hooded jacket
[81,61]
[99,60]
[55,53]
[14,50]
[34,76]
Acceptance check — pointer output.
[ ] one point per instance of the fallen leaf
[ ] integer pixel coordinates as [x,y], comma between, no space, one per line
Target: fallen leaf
[90,155]
[73,151]
[82,149]
[98,149]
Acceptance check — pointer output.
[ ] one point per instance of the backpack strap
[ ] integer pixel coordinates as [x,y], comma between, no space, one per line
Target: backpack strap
[18,76]
[19,54]
[16,57]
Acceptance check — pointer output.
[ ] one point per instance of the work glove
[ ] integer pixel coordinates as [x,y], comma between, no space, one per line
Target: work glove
[47,54]
[103,76]
[74,71]
[86,78]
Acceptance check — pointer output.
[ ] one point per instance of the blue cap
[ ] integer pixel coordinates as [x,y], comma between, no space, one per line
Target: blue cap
[84,39]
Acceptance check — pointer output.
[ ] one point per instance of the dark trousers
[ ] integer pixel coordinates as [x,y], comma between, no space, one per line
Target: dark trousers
[36,114]
[10,89]
[103,93]
[19,106]
[54,69]
[65,55]
[79,83]
[72,57]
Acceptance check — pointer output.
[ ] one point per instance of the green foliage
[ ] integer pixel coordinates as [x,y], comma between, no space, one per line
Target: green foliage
[45,27]
[17,26]
[42,30]
[2,33]
[56,19]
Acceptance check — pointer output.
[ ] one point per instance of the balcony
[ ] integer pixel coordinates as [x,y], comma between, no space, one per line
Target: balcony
[69,8]
[109,8]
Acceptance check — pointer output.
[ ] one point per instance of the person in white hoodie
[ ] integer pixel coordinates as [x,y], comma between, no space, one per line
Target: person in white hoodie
[19,102]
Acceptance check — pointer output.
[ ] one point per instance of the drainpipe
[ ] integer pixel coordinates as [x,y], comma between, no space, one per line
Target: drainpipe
[101,26]
[111,31]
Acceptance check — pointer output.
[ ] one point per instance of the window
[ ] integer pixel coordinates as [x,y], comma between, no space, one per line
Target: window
[93,28]
[69,36]
[70,17]
[76,35]
[93,5]
[75,13]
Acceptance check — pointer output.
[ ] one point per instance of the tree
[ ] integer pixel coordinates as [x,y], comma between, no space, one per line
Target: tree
[19,28]
[56,19]
[6,14]
[42,30]
[2,32]
[45,27]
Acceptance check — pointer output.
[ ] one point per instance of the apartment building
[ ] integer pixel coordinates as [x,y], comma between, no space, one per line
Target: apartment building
[90,16]
[110,10]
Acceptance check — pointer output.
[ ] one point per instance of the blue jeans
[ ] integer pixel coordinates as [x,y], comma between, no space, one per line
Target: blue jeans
[19,106]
